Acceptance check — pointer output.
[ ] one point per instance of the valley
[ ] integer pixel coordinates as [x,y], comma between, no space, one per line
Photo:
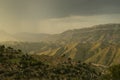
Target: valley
[99,44]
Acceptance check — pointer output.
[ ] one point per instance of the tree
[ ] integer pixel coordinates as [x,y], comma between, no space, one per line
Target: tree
[115,72]
[2,47]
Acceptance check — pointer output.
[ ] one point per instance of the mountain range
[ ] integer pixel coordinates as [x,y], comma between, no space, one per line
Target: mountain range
[98,44]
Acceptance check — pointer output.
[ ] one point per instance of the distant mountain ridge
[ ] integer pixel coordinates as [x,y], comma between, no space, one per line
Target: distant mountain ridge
[31,37]
[4,36]
[73,35]
[98,44]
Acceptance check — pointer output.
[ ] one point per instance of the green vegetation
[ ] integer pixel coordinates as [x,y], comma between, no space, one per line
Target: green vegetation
[115,72]
[14,65]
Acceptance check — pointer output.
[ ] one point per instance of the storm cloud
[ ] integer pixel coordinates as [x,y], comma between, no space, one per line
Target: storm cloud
[30,15]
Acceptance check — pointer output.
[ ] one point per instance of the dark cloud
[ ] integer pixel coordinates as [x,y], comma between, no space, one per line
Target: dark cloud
[88,7]
[39,9]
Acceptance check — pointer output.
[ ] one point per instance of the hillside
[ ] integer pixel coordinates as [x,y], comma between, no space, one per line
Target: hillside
[98,44]
[15,65]
[104,33]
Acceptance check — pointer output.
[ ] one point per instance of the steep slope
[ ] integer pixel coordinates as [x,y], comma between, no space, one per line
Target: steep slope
[99,44]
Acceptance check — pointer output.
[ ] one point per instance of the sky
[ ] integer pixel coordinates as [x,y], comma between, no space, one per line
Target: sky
[56,16]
